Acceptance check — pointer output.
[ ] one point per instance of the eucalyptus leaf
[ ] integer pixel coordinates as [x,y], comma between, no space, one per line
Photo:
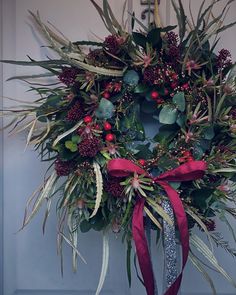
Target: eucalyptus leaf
[144,151]
[105,109]
[209,133]
[181,120]
[141,88]
[168,115]
[179,101]
[131,78]
[166,133]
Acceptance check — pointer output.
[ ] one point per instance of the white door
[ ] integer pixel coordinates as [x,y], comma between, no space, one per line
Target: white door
[30,263]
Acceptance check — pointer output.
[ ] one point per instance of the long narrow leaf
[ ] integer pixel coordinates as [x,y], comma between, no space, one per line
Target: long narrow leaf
[205,251]
[105,262]
[159,210]
[201,269]
[46,191]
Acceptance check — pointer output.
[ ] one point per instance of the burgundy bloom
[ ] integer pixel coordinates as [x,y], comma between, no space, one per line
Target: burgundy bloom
[89,146]
[76,112]
[64,168]
[153,75]
[224,59]
[68,76]
[113,187]
[173,47]
[112,44]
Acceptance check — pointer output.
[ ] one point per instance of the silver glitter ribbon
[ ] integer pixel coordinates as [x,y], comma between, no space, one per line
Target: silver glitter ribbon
[170,249]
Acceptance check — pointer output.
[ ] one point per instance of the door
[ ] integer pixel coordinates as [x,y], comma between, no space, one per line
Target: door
[30,263]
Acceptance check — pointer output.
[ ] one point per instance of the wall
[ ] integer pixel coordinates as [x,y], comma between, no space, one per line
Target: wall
[31,265]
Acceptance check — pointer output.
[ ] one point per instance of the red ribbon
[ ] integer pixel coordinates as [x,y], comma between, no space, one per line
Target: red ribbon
[189,171]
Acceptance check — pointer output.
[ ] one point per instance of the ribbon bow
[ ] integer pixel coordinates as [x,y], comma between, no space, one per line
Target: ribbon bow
[189,171]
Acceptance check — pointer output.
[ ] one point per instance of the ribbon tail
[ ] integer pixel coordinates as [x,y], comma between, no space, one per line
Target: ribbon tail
[183,230]
[170,249]
[142,247]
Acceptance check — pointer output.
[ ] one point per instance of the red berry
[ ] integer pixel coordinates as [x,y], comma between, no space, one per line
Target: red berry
[88,119]
[106,95]
[110,137]
[154,94]
[107,126]
[142,162]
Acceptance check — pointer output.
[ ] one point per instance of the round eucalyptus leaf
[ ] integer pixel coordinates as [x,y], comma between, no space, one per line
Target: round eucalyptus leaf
[179,101]
[105,109]
[168,115]
[131,78]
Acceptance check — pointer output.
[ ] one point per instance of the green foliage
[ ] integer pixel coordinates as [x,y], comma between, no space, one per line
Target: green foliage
[168,115]
[179,101]
[131,78]
[70,145]
[105,109]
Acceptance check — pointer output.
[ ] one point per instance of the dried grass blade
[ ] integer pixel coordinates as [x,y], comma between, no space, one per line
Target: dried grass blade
[160,211]
[201,269]
[46,191]
[63,135]
[205,251]
[105,262]
[72,246]
[153,219]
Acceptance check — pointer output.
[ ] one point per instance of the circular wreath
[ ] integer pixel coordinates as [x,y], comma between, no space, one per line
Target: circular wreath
[110,173]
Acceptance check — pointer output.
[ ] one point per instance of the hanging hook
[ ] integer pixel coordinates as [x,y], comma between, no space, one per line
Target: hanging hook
[145,11]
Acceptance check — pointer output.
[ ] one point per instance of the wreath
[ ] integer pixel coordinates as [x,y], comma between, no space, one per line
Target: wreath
[105,173]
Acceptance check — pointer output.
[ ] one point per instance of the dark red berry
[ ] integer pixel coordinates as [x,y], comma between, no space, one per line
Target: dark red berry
[88,119]
[154,94]
[110,137]
[107,126]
